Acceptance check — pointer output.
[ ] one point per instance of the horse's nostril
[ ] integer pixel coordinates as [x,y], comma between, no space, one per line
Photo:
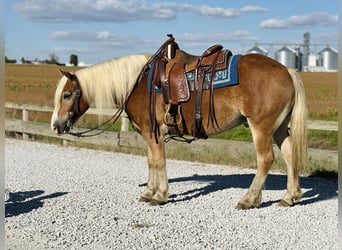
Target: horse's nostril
[55,128]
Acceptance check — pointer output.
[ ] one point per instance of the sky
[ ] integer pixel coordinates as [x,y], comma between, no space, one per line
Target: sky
[99,30]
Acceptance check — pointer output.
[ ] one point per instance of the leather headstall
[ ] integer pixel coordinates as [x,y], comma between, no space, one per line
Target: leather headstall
[75,108]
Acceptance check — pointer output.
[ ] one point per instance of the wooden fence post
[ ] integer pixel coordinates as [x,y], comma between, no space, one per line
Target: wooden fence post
[124,124]
[25,119]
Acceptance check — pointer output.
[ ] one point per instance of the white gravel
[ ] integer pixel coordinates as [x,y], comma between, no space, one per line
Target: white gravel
[73,198]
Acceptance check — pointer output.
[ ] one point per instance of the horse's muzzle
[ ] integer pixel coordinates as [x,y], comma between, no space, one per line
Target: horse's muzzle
[61,127]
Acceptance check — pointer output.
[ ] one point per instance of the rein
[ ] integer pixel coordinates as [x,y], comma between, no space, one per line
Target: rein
[109,123]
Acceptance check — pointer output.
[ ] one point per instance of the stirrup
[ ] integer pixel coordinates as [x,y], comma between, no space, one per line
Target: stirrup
[168,116]
[170,120]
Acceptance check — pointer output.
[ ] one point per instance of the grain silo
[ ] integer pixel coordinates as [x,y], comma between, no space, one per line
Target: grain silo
[257,50]
[286,56]
[306,49]
[329,58]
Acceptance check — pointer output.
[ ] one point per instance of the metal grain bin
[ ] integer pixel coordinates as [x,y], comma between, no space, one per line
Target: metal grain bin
[329,58]
[257,50]
[286,56]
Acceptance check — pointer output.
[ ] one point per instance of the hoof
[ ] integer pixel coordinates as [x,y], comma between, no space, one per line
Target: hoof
[284,203]
[289,199]
[144,199]
[249,201]
[155,202]
[243,206]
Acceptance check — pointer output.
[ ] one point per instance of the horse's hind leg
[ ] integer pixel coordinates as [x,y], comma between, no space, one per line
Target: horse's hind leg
[284,142]
[156,191]
[265,156]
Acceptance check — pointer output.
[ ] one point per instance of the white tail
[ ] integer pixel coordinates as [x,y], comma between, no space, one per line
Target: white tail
[298,123]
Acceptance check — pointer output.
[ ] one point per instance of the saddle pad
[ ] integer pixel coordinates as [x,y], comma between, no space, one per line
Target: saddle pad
[223,78]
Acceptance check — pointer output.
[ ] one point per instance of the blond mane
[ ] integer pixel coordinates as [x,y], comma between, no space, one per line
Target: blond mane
[107,84]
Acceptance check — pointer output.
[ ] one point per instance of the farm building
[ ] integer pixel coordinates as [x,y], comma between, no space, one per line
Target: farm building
[257,50]
[300,58]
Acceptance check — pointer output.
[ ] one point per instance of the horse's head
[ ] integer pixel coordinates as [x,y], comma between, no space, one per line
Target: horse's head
[70,103]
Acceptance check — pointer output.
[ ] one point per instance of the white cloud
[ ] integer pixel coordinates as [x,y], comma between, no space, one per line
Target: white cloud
[193,42]
[250,8]
[79,35]
[110,39]
[103,38]
[116,10]
[293,22]
[331,37]
[215,12]
[89,11]
[84,35]
[239,35]
[103,35]
[59,34]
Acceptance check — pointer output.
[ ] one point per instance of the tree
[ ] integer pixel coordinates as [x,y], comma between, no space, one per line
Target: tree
[53,58]
[7,60]
[74,59]
[23,61]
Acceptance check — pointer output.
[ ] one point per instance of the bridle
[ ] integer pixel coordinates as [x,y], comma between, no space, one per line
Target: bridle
[76,109]
[73,110]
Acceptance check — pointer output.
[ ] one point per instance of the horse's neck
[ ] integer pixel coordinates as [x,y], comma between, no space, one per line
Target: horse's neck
[101,89]
[109,83]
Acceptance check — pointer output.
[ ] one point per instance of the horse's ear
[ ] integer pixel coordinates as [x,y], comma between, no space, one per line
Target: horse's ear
[62,72]
[69,75]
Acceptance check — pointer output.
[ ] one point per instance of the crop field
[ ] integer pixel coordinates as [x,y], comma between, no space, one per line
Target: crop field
[321,94]
[34,84]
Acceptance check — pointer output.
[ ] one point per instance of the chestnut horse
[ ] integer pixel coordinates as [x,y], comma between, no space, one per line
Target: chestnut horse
[269,97]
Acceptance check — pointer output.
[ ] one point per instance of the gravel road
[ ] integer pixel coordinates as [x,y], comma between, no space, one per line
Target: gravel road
[73,198]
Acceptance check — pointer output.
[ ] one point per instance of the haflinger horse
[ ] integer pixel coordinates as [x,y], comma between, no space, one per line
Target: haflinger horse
[269,98]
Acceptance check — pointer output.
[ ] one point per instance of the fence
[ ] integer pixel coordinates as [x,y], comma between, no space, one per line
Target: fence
[132,139]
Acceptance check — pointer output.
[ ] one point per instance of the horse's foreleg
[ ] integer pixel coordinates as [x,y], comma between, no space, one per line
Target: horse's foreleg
[157,188]
[265,157]
[150,190]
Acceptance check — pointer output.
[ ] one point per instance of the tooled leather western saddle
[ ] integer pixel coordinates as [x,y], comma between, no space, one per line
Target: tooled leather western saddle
[175,73]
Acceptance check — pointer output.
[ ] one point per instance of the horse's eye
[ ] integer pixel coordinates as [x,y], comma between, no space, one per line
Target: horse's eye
[67,96]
